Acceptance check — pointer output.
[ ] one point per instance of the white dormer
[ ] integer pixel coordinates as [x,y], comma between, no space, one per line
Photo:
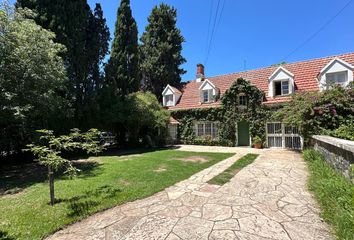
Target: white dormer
[208,91]
[281,83]
[336,71]
[170,96]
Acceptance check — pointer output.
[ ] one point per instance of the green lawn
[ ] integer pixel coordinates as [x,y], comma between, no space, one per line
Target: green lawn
[229,173]
[104,182]
[334,193]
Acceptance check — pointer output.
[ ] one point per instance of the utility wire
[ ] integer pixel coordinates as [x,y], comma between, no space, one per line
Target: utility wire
[318,31]
[209,26]
[212,32]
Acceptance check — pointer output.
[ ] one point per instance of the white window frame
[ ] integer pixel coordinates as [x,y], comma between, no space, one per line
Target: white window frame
[210,95]
[281,87]
[335,81]
[281,74]
[169,102]
[200,129]
[294,135]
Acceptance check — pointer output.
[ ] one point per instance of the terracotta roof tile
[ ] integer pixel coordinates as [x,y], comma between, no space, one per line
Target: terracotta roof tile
[305,78]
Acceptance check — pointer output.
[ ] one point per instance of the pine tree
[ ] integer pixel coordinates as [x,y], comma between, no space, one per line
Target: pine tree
[161,51]
[122,70]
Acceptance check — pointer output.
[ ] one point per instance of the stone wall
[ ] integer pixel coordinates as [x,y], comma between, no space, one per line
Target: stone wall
[337,152]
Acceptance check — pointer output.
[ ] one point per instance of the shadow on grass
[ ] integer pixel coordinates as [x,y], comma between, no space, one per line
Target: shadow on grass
[5,236]
[83,204]
[14,179]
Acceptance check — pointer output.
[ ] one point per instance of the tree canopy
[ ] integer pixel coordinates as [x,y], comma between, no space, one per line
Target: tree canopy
[122,70]
[32,75]
[161,51]
[86,37]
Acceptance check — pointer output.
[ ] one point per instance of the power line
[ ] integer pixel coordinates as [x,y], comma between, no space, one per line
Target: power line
[318,31]
[213,31]
[209,26]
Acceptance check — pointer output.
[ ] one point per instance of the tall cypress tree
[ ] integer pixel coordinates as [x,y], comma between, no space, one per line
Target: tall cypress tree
[161,51]
[122,70]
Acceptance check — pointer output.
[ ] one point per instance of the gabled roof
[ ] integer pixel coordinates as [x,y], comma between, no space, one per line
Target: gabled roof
[279,69]
[206,81]
[173,89]
[337,59]
[305,79]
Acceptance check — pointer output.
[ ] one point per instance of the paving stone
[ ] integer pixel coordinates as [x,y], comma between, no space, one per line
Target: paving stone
[229,224]
[262,226]
[216,212]
[267,200]
[223,235]
[193,228]
[308,231]
[151,227]
[119,229]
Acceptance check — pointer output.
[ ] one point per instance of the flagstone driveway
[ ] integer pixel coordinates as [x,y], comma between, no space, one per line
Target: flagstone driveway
[266,200]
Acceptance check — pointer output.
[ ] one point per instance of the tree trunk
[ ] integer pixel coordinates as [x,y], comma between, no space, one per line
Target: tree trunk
[51,185]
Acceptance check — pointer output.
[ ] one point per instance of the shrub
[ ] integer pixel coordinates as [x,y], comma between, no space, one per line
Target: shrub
[334,194]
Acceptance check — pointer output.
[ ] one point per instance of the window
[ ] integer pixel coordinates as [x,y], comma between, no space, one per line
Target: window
[281,88]
[207,129]
[207,95]
[200,129]
[283,136]
[339,78]
[169,100]
[172,129]
[242,100]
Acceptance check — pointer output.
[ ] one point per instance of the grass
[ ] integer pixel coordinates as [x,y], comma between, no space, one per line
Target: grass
[334,193]
[112,181]
[229,173]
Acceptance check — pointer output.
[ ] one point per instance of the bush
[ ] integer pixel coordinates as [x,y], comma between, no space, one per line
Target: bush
[208,141]
[334,193]
[345,131]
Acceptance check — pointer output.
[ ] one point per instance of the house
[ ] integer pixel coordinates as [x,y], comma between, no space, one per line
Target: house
[278,83]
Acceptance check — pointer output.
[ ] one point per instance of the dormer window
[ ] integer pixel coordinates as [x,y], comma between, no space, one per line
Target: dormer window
[170,96]
[336,72]
[281,87]
[281,83]
[208,92]
[338,78]
[169,100]
[207,95]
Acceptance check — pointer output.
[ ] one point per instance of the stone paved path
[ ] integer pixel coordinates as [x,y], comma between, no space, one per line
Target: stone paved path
[267,200]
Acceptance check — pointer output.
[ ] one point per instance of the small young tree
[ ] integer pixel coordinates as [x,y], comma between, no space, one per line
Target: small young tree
[49,148]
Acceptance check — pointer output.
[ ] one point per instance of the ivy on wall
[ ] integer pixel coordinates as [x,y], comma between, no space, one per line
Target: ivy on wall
[228,115]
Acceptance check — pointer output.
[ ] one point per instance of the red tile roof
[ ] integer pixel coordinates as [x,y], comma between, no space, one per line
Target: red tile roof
[305,78]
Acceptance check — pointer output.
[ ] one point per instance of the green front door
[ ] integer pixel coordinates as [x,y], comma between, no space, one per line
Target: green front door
[243,134]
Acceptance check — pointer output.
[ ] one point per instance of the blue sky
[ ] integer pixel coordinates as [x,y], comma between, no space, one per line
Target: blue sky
[252,33]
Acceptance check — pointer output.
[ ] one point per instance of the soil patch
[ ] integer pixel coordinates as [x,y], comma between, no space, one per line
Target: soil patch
[198,159]
[162,168]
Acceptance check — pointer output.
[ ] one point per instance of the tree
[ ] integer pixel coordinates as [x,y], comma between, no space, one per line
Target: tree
[142,117]
[48,151]
[85,36]
[122,70]
[161,51]
[32,78]
[97,47]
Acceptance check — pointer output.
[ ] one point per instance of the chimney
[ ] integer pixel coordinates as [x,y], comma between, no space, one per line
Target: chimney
[200,72]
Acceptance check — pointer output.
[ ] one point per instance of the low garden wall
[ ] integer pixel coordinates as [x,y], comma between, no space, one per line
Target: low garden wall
[337,152]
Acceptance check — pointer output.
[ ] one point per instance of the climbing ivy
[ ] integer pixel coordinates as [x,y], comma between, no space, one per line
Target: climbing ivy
[228,115]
